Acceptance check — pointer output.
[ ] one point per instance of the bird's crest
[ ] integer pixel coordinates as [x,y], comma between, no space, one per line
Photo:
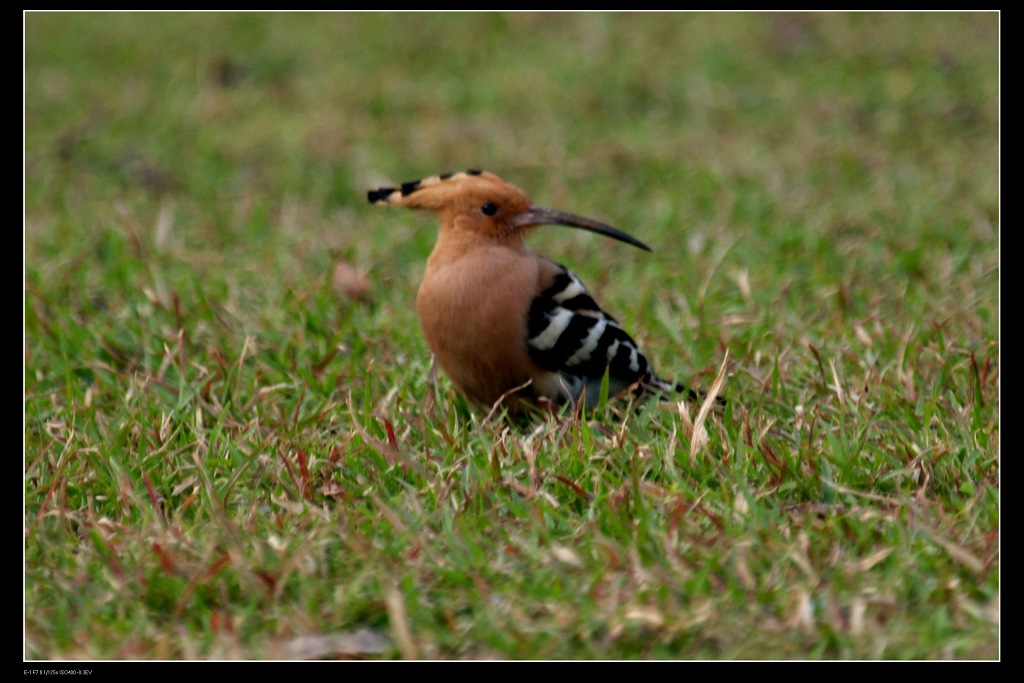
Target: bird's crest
[396,195]
[450,190]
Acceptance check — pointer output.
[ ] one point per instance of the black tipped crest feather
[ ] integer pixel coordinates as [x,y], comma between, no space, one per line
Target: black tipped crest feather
[379,195]
[407,188]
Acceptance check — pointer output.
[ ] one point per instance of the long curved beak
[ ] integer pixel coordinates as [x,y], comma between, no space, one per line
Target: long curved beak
[537,215]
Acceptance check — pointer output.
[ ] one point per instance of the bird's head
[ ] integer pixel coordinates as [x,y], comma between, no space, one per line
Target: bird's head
[483,203]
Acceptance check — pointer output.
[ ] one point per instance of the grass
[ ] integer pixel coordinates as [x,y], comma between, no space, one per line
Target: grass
[232,453]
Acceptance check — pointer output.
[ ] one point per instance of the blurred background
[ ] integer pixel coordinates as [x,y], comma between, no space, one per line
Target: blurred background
[778,143]
[681,123]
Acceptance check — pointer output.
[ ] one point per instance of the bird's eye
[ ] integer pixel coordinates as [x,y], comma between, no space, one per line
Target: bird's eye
[489,208]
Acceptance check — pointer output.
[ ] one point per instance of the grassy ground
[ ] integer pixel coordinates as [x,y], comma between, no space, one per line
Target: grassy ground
[233,448]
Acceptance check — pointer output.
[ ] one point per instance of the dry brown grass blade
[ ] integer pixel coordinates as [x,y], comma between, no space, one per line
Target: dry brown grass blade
[361,642]
[400,622]
[837,386]
[699,437]
[958,553]
[497,404]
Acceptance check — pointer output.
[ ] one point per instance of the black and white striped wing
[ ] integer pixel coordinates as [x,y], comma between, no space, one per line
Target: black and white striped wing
[568,333]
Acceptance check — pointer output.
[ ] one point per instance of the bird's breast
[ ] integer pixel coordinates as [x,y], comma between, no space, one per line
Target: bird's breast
[473,311]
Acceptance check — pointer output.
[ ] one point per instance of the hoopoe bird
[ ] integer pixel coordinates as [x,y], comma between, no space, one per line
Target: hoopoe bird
[505,323]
